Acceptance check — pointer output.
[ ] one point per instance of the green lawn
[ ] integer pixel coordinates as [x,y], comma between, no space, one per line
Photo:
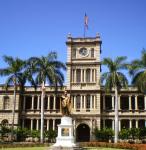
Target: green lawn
[26,148]
[45,148]
[100,148]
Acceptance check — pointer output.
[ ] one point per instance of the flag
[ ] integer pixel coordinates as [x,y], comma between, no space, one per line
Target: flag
[86,21]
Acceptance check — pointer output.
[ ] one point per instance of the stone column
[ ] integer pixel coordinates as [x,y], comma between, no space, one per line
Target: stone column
[94,75]
[130,108]
[75,102]
[91,130]
[37,124]
[32,103]
[24,103]
[91,75]
[31,124]
[119,102]
[136,105]
[130,123]
[53,124]
[94,101]
[136,123]
[81,75]
[48,102]
[38,102]
[119,125]
[74,126]
[54,102]
[84,102]
[47,124]
[113,124]
[84,75]
[81,104]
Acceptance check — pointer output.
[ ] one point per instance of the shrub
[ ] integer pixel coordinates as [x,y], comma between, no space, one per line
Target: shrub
[22,133]
[5,130]
[51,135]
[104,134]
[35,133]
[124,134]
[112,145]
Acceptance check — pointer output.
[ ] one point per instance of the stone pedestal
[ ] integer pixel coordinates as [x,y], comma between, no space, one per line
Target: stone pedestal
[65,139]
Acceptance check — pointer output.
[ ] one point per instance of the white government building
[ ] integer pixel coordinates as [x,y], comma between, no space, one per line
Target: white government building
[91,106]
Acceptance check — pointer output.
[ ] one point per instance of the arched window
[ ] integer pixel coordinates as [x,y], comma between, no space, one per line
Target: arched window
[78,103]
[88,101]
[4,122]
[88,75]
[6,102]
[92,52]
[74,53]
[78,75]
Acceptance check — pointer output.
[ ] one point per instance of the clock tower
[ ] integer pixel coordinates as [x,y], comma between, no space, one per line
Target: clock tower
[83,82]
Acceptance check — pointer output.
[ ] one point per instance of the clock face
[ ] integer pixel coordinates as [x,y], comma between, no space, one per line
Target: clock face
[83,51]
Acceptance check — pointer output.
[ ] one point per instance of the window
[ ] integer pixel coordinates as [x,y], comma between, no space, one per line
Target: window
[88,75]
[124,102]
[78,102]
[88,101]
[28,101]
[108,102]
[92,52]
[78,75]
[74,53]
[93,101]
[6,102]
[108,123]
[140,102]
[5,122]
[73,75]
[92,75]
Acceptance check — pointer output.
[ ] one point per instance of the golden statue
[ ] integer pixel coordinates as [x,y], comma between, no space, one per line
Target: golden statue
[65,104]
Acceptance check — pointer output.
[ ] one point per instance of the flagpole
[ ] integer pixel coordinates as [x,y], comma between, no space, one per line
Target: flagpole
[84,30]
[85,24]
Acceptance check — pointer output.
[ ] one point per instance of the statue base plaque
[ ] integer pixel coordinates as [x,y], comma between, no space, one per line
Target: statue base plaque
[65,139]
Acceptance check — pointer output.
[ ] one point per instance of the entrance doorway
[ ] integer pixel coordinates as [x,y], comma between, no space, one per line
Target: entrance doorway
[83,133]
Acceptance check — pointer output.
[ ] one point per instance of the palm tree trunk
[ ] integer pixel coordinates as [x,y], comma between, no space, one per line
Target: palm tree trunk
[42,113]
[13,110]
[116,115]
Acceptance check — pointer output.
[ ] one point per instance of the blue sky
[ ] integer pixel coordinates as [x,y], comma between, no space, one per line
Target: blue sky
[35,27]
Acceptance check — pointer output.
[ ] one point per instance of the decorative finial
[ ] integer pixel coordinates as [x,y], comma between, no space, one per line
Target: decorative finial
[97,35]
[69,35]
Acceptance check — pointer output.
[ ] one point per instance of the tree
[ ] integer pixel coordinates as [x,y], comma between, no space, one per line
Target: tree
[113,79]
[47,69]
[137,69]
[14,73]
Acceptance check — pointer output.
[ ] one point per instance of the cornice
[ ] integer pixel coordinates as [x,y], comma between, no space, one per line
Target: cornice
[82,63]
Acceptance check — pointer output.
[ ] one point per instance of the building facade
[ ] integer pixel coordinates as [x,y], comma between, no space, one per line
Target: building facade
[91,106]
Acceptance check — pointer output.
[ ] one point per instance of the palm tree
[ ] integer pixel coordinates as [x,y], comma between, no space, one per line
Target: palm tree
[113,79]
[137,69]
[14,73]
[47,69]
